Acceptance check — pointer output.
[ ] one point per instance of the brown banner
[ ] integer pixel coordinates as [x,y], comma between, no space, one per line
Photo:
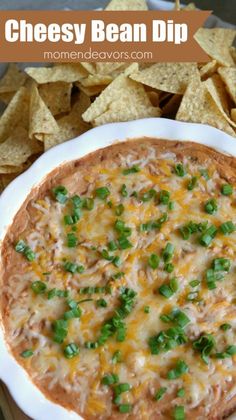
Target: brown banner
[72,36]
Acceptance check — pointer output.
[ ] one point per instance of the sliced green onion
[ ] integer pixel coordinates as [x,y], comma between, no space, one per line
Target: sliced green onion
[164,197]
[112,246]
[116,261]
[160,393]
[211,206]
[73,313]
[179,413]
[24,249]
[133,170]
[70,267]
[77,202]
[205,345]
[88,203]
[225,327]
[57,293]
[38,287]
[147,309]
[153,261]
[147,196]
[174,284]
[124,191]
[125,408]
[166,291]
[102,192]
[185,232]
[110,379]
[60,328]
[119,209]
[171,205]
[227,189]
[120,388]
[194,283]
[192,183]
[205,174]
[71,350]
[121,334]
[179,170]
[124,243]
[101,303]
[208,236]
[68,220]
[116,358]
[181,393]
[168,252]
[72,240]
[169,267]
[60,194]
[20,246]
[221,264]
[178,371]
[27,353]
[227,227]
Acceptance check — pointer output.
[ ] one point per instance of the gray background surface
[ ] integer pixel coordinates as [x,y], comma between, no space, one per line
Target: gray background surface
[225,9]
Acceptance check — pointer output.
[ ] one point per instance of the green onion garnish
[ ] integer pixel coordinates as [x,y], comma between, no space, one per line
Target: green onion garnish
[176,316]
[179,170]
[101,303]
[133,170]
[160,393]
[27,353]
[57,292]
[71,350]
[211,206]
[227,227]
[153,261]
[169,267]
[60,194]
[168,252]
[73,268]
[110,379]
[179,413]
[123,242]
[102,192]
[227,189]
[88,203]
[77,201]
[119,209]
[168,290]
[125,408]
[205,345]
[181,393]
[225,327]
[147,196]
[147,309]
[20,247]
[120,388]
[73,313]
[192,183]
[221,264]
[112,246]
[38,287]
[24,249]
[205,174]
[171,205]
[72,240]
[68,220]
[167,340]
[164,197]
[178,371]
[194,283]
[124,191]
[208,236]
[60,328]
[116,358]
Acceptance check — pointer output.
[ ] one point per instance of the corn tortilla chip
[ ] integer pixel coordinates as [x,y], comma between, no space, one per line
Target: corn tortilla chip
[198,106]
[57,96]
[168,77]
[16,114]
[71,125]
[12,80]
[90,90]
[131,113]
[96,80]
[233,114]
[232,51]
[208,69]
[6,97]
[216,43]
[62,73]
[127,5]
[18,148]
[216,88]
[6,179]
[89,67]
[228,75]
[41,119]
[171,107]
[107,68]
[154,97]
[121,93]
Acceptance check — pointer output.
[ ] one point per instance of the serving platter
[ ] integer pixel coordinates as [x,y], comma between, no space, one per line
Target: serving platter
[26,395]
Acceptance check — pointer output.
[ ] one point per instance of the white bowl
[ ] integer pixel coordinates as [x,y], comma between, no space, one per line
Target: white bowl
[25,393]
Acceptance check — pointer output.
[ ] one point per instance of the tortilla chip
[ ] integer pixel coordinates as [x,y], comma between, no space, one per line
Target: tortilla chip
[154,97]
[107,68]
[57,96]
[91,90]
[208,69]
[216,88]
[198,106]
[216,42]
[41,119]
[190,6]
[89,67]
[168,77]
[123,100]
[17,149]
[12,80]
[96,80]
[233,114]
[6,179]
[228,75]
[127,5]
[71,125]
[16,114]
[62,73]
[6,97]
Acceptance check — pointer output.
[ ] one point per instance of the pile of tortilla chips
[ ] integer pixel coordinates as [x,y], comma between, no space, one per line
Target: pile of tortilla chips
[49,105]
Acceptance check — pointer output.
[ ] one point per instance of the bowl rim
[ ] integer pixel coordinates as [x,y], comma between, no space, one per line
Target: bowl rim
[28,397]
